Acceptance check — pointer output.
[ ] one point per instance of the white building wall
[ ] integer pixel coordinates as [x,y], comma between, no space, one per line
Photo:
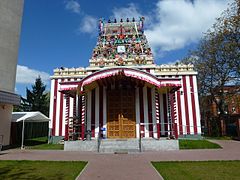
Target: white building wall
[10,27]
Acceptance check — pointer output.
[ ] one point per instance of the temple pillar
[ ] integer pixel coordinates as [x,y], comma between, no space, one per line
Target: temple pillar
[66,96]
[83,116]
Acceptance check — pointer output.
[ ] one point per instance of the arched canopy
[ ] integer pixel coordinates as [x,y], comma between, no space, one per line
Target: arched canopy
[173,83]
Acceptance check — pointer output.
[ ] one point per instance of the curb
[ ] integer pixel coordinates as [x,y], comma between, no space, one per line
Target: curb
[81,171]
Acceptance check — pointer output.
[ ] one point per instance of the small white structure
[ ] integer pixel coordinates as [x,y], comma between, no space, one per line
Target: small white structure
[28,117]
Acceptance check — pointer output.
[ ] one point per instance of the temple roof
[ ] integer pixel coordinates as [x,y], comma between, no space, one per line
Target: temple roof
[121,43]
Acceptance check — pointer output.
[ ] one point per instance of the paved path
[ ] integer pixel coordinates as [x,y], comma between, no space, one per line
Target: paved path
[127,166]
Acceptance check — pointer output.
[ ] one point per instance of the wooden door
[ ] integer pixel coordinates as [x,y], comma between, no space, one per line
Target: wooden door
[121,122]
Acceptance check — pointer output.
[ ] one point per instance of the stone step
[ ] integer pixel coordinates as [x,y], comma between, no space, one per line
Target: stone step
[119,146]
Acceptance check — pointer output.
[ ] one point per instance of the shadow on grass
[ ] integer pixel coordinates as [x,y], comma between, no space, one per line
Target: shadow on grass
[34,142]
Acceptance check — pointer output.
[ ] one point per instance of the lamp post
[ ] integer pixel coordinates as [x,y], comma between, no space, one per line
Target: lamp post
[23,126]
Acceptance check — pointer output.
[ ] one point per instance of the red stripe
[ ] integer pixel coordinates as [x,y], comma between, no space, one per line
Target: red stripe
[100,106]
[149,97]
[93,113]
[179,112]
[54,106]
[61,115]
[186,104]
[165,114]
[141,110]
[193,105]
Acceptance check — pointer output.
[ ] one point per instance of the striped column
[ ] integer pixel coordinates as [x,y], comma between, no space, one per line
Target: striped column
[173,114]
[150,111]
[169,113]
[66,117]
[157,112]
[83,116]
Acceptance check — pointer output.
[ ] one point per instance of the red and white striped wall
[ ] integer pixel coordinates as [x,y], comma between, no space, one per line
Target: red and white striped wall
[151,107]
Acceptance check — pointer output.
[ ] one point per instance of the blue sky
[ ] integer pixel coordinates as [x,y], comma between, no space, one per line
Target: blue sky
[59,33]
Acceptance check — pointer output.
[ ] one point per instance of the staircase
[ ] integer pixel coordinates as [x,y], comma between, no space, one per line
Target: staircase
[120,146]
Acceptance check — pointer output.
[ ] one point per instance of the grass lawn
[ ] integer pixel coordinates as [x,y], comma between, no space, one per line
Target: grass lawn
[40,169]
[219,138]
[41,143]
[197,144]
[199,170]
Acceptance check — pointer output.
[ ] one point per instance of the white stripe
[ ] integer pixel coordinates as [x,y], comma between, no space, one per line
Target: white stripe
[197,105]
[51,103]
[64,115]
[145,103]
[71,106]
[105,108]
[58,110]
[190,114]
[96,111]
[183,108]
[89,102]
[77,110]
[137,111]
[177,115]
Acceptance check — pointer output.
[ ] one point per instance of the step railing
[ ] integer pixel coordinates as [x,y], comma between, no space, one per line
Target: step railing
[99,138]
[140,141]
[146,128]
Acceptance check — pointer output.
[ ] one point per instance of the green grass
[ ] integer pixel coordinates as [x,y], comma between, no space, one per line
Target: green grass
[197,144]
[40,169]
[219,138]
[206,170]
[41,144]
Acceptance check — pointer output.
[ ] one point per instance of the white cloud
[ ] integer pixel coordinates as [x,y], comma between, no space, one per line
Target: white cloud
[126,12]
[25,75]
[73,6]
[181,22]
[88,25]
[174,24]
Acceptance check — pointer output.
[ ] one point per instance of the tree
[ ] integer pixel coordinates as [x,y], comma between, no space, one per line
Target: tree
[37,99]
[217,59]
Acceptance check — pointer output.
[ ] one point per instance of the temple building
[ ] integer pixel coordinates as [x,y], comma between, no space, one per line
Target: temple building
[123,94]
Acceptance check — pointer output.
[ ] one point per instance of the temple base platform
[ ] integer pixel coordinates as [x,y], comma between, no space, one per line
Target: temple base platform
[122,145]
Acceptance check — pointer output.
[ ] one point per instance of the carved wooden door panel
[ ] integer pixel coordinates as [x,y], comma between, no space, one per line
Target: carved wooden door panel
[121,122]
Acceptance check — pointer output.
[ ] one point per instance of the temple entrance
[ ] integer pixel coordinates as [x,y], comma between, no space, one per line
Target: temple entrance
[121,121]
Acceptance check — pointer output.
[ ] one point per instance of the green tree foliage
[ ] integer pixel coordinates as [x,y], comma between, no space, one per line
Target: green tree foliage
[37,99]
[217,58]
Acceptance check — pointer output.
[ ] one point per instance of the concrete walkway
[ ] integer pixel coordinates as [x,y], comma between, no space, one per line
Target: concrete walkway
[127,166]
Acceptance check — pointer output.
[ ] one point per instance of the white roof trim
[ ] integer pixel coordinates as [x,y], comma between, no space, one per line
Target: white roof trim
[29,117]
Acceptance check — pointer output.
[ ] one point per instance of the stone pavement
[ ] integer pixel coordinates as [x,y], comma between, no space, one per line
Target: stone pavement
[126,166]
